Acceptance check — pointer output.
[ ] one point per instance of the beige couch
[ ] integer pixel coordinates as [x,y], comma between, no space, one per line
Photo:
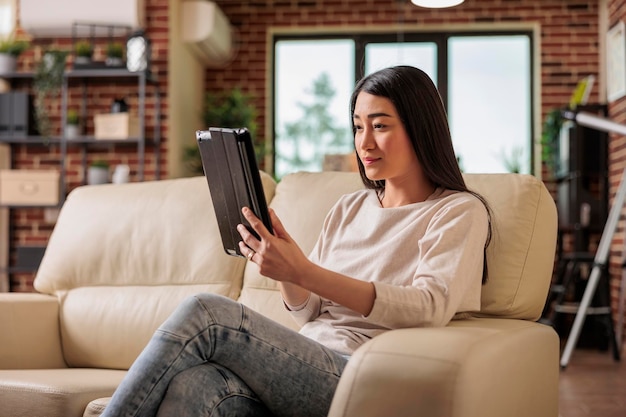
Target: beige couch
[121,257]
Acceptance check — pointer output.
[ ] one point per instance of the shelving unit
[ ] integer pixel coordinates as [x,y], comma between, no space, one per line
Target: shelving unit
[147,90]
[583,205]
[143,79]
[84,77]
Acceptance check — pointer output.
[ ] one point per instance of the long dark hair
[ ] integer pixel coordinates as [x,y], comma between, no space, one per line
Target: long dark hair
[424,117]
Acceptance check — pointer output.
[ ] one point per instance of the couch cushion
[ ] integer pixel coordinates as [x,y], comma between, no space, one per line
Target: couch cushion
[107,327]
[54,392]
[150,233]
[29,325]
[521,256]
[96,407]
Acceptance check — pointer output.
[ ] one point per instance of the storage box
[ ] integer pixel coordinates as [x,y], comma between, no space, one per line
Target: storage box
[116,126]
[29,187]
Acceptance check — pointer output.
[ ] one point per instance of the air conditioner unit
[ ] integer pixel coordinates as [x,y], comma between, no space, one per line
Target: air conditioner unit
[55,19]
[206,30]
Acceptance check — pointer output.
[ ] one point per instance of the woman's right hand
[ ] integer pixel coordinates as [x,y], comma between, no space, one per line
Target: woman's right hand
[278,256]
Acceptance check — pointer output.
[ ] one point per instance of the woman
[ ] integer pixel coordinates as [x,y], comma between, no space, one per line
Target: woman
[407,251]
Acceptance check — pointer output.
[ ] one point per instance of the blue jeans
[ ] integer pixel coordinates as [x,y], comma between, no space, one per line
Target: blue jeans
[216,357]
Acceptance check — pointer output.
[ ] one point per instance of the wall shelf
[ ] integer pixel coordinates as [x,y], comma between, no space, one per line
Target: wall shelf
[85,78]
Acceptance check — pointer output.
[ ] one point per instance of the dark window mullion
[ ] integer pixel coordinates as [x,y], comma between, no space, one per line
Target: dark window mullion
[442,68]
[359,57]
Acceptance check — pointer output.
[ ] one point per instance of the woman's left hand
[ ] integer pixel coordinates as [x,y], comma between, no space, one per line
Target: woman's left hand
[278,256]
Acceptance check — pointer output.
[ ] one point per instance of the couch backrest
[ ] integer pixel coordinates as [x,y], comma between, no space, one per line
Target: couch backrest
[520,258]
[121,257]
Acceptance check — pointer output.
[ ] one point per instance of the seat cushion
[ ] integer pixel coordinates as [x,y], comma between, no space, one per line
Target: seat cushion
[96,407]
[54,392]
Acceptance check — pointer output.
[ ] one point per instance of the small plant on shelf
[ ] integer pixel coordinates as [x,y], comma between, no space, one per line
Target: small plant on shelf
[115,54]
[72,117]
[13,47]
[10,49]
[99,163]
[72,124]
[115,50]
[98,172]
[84,51]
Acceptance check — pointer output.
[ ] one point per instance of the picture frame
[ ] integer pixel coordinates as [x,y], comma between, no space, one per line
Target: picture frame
[616,62]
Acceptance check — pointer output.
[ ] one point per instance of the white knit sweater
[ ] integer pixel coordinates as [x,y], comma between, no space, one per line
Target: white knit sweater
[425,260]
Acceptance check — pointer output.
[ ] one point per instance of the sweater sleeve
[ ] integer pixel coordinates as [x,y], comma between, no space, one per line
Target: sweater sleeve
[311,309]
[448,276]
[306,312]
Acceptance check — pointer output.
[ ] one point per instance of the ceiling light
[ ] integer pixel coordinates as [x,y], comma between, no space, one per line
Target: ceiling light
[436,4]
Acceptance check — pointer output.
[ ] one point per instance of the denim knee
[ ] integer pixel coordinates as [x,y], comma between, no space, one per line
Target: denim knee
[210,390]
[199,311]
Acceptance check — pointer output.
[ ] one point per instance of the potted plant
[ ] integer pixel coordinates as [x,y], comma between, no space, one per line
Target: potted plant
[10,49]
[47,83]
[83,51]
[231,108]
[115,54]
[72,124]
[98,172]
[550,135]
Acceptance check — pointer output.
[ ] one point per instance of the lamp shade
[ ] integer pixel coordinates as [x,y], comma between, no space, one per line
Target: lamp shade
[436,4]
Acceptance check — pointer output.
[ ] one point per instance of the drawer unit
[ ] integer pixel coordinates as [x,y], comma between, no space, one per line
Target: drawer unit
[29,187]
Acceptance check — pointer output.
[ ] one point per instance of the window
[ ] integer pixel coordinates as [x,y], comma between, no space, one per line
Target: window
[422,55]
[484,79]
[489,102]
[311,94]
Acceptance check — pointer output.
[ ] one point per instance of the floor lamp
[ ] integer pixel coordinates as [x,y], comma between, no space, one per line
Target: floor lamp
[602,254]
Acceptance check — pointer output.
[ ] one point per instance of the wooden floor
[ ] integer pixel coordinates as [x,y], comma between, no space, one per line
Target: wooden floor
[593,385]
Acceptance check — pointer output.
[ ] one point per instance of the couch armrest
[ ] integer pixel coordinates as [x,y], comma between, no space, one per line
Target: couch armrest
[471,368]
[29,325]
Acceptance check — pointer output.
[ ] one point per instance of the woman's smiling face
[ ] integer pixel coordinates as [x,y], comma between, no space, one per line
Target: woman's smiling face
[381,140]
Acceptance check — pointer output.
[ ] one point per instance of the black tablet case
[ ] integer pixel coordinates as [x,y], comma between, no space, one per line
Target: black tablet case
[231,171]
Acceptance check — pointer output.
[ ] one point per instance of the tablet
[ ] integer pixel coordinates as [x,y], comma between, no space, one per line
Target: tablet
[231,171]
